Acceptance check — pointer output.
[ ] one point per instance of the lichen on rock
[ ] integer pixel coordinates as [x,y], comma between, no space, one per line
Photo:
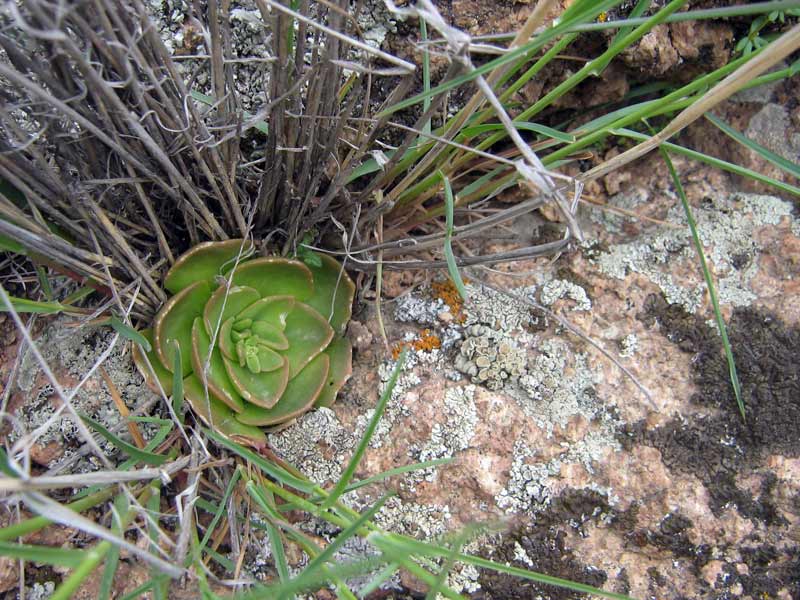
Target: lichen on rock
[556,289]
[300,445]
[425,521]
[395,406]
[727,226]
[490,357]
[71,353]
[453,433]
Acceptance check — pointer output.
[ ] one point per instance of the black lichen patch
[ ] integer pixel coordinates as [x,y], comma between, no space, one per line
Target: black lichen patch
[672,535]
[769,571]
[720,447]
[544,541]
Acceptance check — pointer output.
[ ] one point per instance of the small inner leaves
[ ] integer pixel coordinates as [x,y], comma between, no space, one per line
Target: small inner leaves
[257,356]
[261,345]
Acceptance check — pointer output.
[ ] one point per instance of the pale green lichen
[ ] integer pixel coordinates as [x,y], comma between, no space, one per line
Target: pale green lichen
[301,444]
[628,345]
[395,408]
[491,357]
[76,351]
[520,555]
[453,434]
[628,200]
[551,393]
[530,486]
[495,310]
[560,288]
[425,521]
[727,226]
[528,483]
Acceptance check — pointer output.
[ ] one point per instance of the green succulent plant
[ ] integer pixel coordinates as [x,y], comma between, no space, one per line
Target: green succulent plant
[258,346]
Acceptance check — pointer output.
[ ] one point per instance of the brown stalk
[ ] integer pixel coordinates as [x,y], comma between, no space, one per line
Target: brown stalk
[133,427]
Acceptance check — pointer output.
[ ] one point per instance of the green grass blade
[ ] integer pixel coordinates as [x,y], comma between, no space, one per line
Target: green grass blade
[792,168]
[600,128]
[112,556]
[23,305]
[93,559]
[318,570]
[44,282]
[397,471]
[399,545]
[638,10]
[549,132]
[426,73]
[380,477]
[452,267]
[441,578]
[139,591]
[345,535]
[220,509]
[267,504]
[109,573]
[723,332]
[368,433]
[59,557]
[5,466]
[293,587]
[566,21]
[129,333]
[149,458]
[9,245]
[160,581]
[159,437]
[396,553]
[722,12]
[534,69]
[37,523]
[276,472]
[78,294]
[177,383]
[382,576]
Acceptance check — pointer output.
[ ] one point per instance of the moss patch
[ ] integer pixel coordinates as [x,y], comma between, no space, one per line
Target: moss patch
[719,447]
[541,545]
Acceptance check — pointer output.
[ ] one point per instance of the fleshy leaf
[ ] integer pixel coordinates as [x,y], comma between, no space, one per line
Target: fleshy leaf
[276,276]
[263,389]
[272,309]
[268,359]
[235,300]
[225,342]
[308,334]
[332,292]
[162,373]
[203,263]
[300,395]
[174,322]
[218,416]
[341,367]
[218,381]
[270,335]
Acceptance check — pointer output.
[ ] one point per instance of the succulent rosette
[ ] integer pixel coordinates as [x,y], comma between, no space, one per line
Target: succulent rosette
[258,346]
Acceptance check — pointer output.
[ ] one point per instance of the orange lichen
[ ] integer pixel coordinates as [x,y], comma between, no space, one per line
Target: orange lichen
[426,342]
[447,292]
